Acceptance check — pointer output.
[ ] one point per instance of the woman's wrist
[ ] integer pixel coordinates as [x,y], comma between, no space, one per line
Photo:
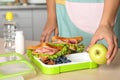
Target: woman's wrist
[107,24]
[52,21]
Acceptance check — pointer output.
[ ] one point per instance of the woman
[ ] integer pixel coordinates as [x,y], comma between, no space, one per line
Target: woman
[92,19]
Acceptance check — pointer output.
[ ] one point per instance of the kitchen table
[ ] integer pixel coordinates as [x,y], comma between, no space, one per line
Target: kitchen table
[103,72]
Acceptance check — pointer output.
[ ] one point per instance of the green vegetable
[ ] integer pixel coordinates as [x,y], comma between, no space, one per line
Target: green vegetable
[57,44]
[64,51]
[67,49]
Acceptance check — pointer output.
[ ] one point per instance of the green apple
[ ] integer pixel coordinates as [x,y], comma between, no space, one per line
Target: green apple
[98,53]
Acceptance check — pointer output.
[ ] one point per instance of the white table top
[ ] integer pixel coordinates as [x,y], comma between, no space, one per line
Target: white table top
[104,72]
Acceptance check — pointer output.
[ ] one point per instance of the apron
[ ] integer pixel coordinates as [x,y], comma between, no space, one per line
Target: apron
[80,18]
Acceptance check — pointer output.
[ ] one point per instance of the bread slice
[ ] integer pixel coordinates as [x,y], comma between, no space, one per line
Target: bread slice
[74,40]
[43,44]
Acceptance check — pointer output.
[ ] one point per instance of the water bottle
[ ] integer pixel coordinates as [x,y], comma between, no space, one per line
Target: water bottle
[10,40]
[9,33]
[19,42]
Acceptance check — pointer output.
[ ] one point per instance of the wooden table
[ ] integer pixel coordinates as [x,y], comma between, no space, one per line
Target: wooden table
[104,72]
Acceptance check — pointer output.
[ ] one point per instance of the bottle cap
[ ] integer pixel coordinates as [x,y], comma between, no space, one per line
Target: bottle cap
[9,16]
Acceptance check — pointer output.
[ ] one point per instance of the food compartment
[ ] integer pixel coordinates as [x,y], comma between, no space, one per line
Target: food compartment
[79,61]
[79,57]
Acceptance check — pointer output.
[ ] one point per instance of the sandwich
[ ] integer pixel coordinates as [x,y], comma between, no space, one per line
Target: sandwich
[73,43]
[47,52]
[59,46]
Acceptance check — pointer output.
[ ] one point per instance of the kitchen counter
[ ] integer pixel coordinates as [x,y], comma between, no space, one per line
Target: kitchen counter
[42,6]
[104,72]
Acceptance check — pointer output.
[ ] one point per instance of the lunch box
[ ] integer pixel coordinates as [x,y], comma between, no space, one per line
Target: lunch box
[80,61]
[13,66]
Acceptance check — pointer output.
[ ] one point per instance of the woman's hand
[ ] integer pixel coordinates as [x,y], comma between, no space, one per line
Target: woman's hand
[49,28]
[51,25]
[105,30]
[107,33]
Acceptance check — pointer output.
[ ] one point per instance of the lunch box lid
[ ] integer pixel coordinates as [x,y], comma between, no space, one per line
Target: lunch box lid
[14,64]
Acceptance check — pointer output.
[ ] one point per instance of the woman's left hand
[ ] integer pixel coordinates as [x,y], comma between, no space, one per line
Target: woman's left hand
[107,33]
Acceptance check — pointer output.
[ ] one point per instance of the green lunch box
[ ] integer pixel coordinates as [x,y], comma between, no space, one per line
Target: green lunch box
[79,61]
[13,65]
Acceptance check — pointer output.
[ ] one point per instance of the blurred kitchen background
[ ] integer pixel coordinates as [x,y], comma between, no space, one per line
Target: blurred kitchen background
[30,16]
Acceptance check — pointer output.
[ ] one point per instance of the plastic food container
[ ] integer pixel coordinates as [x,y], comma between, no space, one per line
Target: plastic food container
[79,61]
[14,69]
